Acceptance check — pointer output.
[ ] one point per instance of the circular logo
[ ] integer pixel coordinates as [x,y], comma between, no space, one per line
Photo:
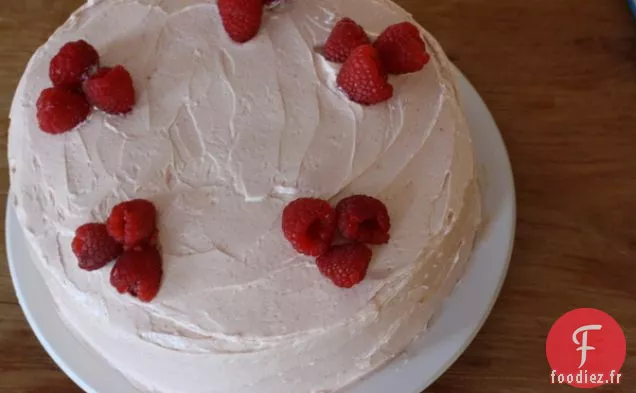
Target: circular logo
[586,348]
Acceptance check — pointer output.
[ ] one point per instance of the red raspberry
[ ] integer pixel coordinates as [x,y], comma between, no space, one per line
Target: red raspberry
[363,79]
[402,49]
[72,64]
[344,38]
[310,225]
[139,273]
[346,264]
[60,110]
[93,246]
[111,90]
[241,18]
[133,223]
[364,219]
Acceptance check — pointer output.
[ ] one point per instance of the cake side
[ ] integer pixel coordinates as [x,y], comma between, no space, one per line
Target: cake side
[222,137]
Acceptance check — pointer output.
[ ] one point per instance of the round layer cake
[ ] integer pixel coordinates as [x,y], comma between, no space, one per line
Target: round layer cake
[222,137]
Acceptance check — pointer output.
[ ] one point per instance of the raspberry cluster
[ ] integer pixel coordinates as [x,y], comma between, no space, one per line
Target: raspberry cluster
[310,225]
[79,83]
[129,236]
[364,75]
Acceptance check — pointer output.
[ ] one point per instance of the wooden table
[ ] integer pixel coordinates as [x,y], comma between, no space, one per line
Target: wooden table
[560,79]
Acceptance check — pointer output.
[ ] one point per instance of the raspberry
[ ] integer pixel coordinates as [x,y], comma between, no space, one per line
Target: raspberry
[139,273]
[132,223]
[60,110]
[346,264]
[402,49]
[93,246]
[72,64]
[111,90]
[241,18]
[310,225]
[364,219]
[363,79]
[344,38]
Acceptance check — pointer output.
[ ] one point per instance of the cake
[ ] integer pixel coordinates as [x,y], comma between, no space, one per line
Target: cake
[222,136]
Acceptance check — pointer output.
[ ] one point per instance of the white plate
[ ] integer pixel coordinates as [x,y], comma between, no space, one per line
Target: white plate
[420,365]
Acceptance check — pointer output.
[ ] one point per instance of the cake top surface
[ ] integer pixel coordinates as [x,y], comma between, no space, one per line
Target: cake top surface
[221,138]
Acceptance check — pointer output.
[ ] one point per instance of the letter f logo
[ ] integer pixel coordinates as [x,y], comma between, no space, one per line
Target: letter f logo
[583,343]
[571,339]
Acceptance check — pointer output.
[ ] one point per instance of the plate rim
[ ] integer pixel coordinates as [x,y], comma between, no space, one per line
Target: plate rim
[463,84]
[462,79]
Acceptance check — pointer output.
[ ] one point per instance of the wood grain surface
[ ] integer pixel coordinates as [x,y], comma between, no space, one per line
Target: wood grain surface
[560,79]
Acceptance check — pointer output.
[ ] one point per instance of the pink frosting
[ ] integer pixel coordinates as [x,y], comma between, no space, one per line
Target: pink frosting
[222,137]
